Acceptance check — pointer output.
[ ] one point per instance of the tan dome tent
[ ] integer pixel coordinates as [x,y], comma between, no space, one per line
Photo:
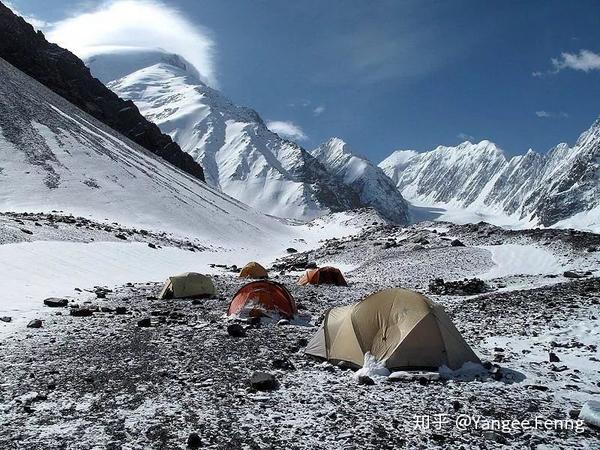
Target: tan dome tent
[323,275]
[253,270]
[188,285]
[398,326]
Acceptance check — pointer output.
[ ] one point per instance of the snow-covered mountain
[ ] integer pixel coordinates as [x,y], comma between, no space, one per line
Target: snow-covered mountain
[239,154]
[373,186]
[53,156]
[561,187]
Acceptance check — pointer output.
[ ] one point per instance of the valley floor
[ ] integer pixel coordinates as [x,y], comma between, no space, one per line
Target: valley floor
[104,382]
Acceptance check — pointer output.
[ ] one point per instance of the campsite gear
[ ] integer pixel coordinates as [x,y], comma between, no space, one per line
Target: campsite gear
[188,285]
[323,275]
[263,295]
[401,328]
[253,270]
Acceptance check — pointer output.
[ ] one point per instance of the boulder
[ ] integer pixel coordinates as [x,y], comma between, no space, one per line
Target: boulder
[263,381]
[573,274]
[144,323]
[194,441]
[236,330]
[456,243]
[6,319]
[35,323]
[365,380]
[53,302]
[120,310]
[81,312]
[590,413]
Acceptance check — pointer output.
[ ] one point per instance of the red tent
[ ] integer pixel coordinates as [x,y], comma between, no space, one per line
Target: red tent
[265,295]
[323,275]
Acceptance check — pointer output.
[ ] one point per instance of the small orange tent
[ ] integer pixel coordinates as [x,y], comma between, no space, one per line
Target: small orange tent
[264,294]
[253,270]
[323,275]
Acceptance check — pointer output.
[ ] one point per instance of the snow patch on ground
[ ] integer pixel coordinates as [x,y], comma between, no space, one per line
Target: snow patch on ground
[515,259]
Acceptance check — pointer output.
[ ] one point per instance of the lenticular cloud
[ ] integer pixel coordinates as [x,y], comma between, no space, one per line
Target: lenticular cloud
[138,23]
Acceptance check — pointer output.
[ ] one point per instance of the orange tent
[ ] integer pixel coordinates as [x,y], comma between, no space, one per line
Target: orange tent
[323,275]
[264,294]
[253,270]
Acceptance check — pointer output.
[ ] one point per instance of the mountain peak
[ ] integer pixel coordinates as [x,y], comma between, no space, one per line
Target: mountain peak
[109,62]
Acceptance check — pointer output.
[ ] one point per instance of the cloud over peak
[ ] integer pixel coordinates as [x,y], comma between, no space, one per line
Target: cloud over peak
[138,23]
[287,130]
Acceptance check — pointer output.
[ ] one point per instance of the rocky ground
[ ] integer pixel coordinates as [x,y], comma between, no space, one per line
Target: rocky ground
[104,381]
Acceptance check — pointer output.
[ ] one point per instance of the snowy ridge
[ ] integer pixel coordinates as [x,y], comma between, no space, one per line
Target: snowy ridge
[53,156]
[373,186]
[239,154]
[559,188]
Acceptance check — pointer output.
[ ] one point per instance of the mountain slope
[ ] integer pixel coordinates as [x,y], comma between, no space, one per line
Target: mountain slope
[239,154]
[54,156]
[534,189]
[373,186]
[65,74]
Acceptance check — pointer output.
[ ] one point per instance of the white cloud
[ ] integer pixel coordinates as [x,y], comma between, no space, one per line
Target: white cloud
[138,23]
[465,137]
[585,61]
[287,129]
[546,115]
[319,110]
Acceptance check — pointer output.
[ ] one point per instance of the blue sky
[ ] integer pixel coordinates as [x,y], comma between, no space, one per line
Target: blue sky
[387,75]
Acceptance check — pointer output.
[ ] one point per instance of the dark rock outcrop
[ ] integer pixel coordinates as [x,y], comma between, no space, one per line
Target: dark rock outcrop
[65,74]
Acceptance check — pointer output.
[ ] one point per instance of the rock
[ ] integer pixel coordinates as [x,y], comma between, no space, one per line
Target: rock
[537,387]
[495,437]
[590,413]
[121,236]
[344,365]
[456,405]
[592,249]
[120,310]
[53,302]
[6,319]
[291,250]
[151,245]
[263,381]
[365,380]
[461,287]
[26,231]
[282,363]
[456,243]
[144,323]
[194,441]
[35,323]
[553,358]
[81,312]
[573,274]
[283,322]
[236,330]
